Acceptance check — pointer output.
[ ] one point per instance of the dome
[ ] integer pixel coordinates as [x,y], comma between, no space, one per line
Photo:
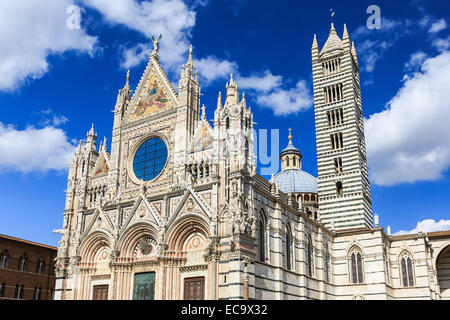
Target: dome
[296,181]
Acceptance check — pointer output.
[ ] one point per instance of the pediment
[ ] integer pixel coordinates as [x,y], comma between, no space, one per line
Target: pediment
[154,94]
[142,211]
[101,167]
[203,136]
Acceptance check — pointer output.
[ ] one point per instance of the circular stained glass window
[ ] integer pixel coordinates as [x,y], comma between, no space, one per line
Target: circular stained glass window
[150,159]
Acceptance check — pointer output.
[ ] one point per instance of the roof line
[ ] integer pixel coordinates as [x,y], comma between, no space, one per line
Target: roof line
[27,242]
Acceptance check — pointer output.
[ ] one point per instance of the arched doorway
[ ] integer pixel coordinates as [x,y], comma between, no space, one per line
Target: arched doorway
[443,272]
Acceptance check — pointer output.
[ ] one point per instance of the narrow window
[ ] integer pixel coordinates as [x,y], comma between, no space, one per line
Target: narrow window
[288,249]
[2,290]
[40,267]
[4,259]
[327,264]
[262,239]
[339,188]
[227,123]
[356,266]
[309,256]
[23,262]
[407,271]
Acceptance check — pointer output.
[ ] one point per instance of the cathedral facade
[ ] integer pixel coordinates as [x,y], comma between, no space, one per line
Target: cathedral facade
[176,209]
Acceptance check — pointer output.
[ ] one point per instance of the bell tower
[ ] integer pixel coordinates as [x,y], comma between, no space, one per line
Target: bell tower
[343,183]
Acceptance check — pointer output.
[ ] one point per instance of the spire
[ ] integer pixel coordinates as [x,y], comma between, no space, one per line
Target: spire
[219,101]
[346,39]
[315,49]
[315,44]
[232,92]
[354,54]
[290,136]
[190,53]
[333,43]
[104,144]
[203,113]
[90,141]
[79,148]
[91,134]
[244,101]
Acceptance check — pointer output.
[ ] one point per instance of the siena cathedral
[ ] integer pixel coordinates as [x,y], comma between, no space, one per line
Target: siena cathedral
[177,210]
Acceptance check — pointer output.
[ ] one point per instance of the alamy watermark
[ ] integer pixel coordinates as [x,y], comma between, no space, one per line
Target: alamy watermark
[374,20]
[73,22]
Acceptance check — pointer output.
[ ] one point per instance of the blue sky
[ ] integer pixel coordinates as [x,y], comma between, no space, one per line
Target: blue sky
[55,81]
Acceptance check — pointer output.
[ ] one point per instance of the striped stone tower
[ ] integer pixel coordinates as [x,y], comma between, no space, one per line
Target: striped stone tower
[343,183]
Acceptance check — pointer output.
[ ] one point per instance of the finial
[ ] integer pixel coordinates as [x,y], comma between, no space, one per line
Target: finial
[315,45]
[128,75]
[203,113]
[389,230]
[104,143]
[190,52]
[345,32]
[219,100]
[376,220]
[231,79]
[419,227]
[290,135]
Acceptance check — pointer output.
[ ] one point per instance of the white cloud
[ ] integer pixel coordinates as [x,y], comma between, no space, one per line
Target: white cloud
[415,61]
[30,31]
[284,102]
[410,140]
[438,26]
[171,18]
[441,44]
[212,68]
[48,117]
[34,150]
[265,82]
[428,225]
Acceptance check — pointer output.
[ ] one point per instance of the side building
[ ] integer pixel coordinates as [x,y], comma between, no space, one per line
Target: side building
[26,269]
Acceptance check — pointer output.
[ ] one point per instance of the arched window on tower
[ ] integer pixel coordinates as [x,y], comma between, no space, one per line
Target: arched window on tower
[356,266]
[288,240]
[339,188]
[4,259]
[23,262]
[407,270]
[262,243]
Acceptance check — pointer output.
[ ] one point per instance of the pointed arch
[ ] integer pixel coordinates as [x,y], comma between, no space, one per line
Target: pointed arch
[406,263]
[183,228]
[356,265]
[93,244]
[132,235]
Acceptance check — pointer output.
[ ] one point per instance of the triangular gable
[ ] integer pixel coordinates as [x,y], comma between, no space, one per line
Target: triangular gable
[142,211]
[183,204]
[102,165]
[154,93]
[96,224]
[203,136]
